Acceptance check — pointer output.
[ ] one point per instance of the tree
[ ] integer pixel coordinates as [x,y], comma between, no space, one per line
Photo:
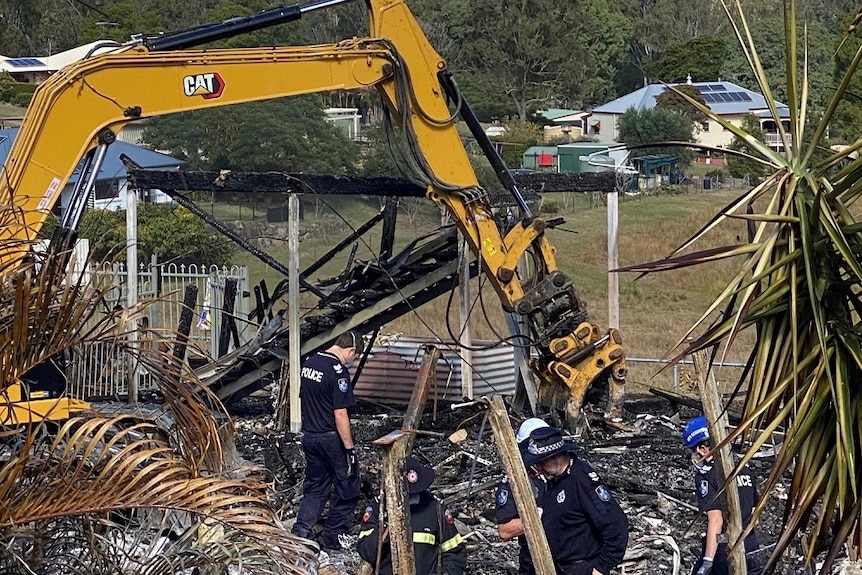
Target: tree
[738,166]
[529,58]
[655,125]
[820,46]
[519,135]
[672,99]
[288,135]
[699,59]
[848,116]
[167,231]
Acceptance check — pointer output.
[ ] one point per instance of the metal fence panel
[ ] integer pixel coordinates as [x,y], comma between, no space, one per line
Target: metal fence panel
[100,370]
[389,375]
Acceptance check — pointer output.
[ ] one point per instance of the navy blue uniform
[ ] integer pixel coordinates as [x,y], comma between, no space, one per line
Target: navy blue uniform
[708,490]
[434,537]
[506,510]
[325,387]
[586,528]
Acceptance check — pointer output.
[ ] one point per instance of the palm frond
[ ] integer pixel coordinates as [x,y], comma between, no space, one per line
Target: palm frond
[799,285]
[121,494]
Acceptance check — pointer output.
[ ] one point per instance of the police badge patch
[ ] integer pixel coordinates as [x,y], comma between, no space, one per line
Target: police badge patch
[704,488]
[343,384]
[603,493]
[502,497]
[561,496]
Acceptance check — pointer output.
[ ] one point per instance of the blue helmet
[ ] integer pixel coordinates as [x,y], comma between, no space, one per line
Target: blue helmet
[696,431]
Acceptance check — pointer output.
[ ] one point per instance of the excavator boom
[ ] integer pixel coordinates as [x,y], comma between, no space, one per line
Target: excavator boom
[80,109]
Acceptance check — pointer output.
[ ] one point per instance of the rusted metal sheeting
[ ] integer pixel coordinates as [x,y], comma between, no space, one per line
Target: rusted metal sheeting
[390,373]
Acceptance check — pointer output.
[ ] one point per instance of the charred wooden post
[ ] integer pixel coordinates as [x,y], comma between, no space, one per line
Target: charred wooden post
[185,325]
[228,324]
[717,416]
[521,488]
[396,447]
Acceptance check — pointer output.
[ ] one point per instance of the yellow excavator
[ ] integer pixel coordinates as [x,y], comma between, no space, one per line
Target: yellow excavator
[77,112]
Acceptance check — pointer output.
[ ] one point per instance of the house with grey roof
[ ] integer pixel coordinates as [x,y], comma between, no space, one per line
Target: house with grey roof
[112,179]
[725,99]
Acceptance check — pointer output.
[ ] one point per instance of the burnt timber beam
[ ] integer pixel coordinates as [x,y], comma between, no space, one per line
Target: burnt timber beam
[538,182]
[280,182]
[273,182]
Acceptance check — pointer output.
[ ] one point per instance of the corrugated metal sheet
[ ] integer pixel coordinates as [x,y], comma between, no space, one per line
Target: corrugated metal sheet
[389,375]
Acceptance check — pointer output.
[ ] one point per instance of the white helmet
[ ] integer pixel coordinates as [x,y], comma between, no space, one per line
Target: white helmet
[528,427]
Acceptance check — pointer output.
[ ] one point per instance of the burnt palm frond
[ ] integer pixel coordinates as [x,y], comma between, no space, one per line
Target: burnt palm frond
[99,494]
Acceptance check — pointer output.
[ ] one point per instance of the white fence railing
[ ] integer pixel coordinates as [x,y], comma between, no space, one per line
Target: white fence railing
[101,370]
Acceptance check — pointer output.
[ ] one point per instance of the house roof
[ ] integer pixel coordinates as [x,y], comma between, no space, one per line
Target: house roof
[722,97]
[555,113]
[113,168]
[55,61]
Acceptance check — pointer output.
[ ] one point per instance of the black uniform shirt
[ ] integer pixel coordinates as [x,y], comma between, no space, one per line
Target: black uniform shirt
[585,526]
[708,490]
[506,510]
[324,386]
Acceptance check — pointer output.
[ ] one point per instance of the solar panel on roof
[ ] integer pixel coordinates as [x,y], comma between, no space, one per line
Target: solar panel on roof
[745,97]
[704,89]
[717,87]
[709,98]
[21,62]
[736,96]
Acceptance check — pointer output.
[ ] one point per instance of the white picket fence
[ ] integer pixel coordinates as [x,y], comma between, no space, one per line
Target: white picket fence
[100,370]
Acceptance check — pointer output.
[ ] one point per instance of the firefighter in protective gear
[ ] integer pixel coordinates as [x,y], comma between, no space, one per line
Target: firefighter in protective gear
[509,524]
[331,471]
[436,540]
[587,529]
[713,560]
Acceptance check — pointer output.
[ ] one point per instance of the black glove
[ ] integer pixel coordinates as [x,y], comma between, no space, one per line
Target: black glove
[705,567]
[352,467]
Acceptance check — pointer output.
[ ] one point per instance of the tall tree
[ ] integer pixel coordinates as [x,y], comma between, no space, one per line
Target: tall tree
[699,59]
[655,125]
[813,37]
[289,134]
[525,50]
[844,127]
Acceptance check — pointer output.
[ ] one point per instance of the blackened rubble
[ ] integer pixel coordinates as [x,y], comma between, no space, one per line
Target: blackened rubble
[648,471]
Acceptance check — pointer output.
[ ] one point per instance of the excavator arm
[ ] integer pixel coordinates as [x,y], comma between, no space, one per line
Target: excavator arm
[80,109]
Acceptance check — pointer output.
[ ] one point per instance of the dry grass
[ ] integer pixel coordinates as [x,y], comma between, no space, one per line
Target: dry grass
[655,311]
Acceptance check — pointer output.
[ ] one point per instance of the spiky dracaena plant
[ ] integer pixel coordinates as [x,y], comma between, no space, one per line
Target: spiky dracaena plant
[800,289]
[99,494]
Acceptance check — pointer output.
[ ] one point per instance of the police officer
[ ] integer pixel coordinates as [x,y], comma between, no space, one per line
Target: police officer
[331,472]
[713,559]
[509,524]
[587,529]
[436,540]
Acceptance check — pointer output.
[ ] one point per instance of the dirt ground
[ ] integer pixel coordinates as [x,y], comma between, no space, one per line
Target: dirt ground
[647,469]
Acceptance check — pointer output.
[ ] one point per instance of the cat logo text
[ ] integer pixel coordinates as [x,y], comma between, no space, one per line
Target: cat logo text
[208,86]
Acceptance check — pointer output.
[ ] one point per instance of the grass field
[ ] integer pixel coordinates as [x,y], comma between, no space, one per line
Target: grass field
[655,310]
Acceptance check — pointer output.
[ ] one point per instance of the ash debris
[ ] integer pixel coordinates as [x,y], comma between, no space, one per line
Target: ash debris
[648,470]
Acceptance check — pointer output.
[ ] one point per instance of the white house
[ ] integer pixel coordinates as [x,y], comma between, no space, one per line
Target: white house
[726,99]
